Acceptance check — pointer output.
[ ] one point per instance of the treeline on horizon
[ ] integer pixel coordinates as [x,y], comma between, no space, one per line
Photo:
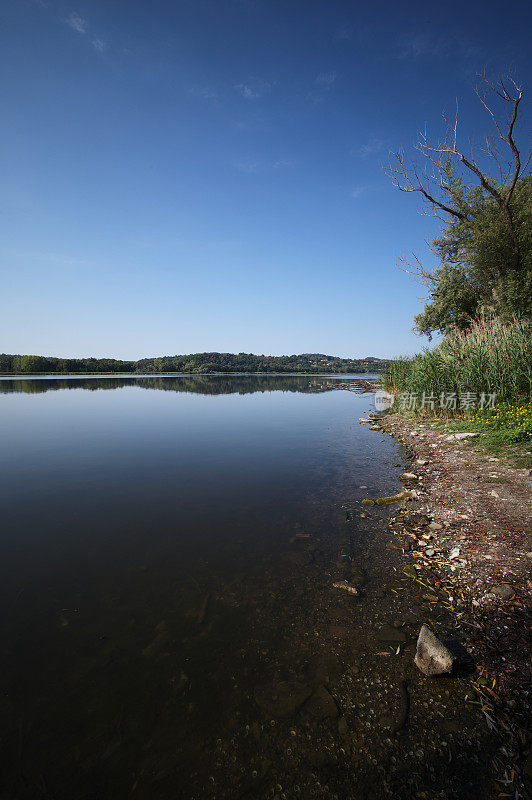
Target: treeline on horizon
[197,363]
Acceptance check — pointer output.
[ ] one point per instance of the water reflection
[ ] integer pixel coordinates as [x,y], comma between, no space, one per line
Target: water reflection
[196,384]
[171,629]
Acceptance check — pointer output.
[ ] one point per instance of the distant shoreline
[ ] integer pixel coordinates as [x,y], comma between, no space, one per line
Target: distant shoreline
[25,375]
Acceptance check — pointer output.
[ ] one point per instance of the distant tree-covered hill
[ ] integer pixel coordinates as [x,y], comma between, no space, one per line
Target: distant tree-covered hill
[198,363]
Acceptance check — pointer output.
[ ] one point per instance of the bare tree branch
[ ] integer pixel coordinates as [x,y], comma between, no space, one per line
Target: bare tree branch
[436,185]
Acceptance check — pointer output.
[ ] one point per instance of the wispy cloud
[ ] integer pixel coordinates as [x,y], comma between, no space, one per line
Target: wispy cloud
[325,79]
[371,148]
[209,94]
[283,162]
[77,23]
[253,89]
[80,25]
[246,91]
[356,191]
[248,167]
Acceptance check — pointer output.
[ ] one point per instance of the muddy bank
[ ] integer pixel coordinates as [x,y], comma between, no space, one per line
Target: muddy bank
[469,522]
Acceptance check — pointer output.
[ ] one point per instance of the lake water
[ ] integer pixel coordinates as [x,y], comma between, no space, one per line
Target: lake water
[168,551]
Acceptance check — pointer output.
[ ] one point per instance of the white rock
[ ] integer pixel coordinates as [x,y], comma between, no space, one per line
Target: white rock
[461,436]
[346,587]
[432,657]
[455,552]
[409,476]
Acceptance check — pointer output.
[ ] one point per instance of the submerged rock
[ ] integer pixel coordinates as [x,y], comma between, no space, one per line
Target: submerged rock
[281,698]
[505,591]
[321,704]
[394,498]
[390,634]
[432,656]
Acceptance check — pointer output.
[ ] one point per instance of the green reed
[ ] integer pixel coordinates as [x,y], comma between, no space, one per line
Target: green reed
[492,356]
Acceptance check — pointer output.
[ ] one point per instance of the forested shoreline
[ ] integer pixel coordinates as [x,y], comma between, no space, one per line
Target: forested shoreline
[197,363]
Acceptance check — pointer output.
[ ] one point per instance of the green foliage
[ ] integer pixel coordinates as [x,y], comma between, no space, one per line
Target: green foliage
[18,365]
[205,363]
[492,356]
[198,363]
[479,269]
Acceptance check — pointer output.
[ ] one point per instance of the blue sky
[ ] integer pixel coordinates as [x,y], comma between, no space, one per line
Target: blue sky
[207,174]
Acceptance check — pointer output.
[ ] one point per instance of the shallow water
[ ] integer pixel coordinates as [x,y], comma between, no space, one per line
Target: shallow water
[168,552]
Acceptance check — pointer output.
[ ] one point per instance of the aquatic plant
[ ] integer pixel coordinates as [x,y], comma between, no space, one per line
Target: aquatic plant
[493,356]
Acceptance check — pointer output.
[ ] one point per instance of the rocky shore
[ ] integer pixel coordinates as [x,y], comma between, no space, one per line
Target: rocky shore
[468,518]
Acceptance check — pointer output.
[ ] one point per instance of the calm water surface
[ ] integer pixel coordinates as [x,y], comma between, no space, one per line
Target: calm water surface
[168,552]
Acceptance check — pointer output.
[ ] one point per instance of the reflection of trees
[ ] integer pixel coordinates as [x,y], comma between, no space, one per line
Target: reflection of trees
[195,384]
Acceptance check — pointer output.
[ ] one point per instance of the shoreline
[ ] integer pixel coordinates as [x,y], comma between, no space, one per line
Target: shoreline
[469,521]
[27,375]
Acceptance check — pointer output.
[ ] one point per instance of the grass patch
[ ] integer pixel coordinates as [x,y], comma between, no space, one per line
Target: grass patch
[505,424]
[505,430]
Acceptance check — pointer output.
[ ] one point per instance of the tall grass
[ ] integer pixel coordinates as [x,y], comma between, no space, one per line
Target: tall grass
[492,356]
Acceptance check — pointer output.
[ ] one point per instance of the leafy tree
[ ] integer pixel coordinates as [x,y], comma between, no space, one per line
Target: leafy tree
[485,246]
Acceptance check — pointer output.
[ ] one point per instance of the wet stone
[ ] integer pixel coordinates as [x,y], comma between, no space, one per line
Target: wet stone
[321,704]
[281,698]
[432,656]
[505,591]
[321,670]
[390,634]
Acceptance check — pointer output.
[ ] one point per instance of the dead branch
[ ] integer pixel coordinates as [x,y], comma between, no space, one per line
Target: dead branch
[435,183]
